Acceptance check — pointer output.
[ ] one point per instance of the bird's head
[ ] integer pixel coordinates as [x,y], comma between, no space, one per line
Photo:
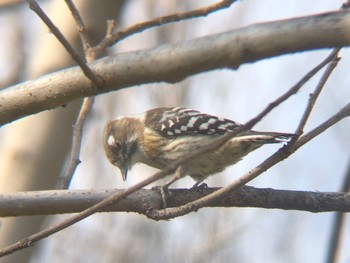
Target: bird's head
[120,141]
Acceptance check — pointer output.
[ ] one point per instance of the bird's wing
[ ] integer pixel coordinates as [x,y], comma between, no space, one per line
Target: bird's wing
[174,122]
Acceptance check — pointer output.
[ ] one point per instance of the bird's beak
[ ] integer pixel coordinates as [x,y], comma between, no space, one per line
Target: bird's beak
[124,172]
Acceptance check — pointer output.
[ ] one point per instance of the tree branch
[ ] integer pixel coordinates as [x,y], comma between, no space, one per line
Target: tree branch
[144,200]
[227,50]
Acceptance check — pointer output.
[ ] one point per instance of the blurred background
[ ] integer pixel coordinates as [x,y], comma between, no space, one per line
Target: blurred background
[34,150]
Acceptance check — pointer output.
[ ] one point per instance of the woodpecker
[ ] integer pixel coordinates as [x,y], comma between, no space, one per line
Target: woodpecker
[160,136]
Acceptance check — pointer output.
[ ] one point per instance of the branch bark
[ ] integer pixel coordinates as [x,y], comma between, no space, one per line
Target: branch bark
[144,200]
[227,50]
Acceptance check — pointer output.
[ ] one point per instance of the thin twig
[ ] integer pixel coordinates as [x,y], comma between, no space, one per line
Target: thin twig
[87,71]
[74,161]
[80,24]
[140,27]
[319,87]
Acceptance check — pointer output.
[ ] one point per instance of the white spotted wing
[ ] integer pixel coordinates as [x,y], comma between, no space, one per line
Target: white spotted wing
[172,122]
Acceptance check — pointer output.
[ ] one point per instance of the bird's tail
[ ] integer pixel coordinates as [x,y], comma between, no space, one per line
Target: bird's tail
[266,137]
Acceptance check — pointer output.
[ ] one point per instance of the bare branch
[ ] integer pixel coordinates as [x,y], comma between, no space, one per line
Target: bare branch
[145,200]
[140,27]
[228,50]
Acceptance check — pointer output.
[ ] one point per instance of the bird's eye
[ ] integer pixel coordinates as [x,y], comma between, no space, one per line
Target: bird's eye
[116,147]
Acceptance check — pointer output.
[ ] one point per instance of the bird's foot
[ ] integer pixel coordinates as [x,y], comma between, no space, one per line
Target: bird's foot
[199,185]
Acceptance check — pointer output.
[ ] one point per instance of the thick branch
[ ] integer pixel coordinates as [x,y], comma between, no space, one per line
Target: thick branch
[143,201]
[173,63]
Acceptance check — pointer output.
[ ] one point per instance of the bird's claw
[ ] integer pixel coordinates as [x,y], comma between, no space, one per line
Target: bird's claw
[199,185]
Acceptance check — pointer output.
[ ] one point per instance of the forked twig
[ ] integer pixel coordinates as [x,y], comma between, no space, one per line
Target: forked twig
[140,27]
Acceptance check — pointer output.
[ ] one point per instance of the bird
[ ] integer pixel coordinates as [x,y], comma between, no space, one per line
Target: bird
[161,136]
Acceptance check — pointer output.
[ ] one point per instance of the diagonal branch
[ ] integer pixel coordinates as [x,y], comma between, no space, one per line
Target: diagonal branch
[87,71]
